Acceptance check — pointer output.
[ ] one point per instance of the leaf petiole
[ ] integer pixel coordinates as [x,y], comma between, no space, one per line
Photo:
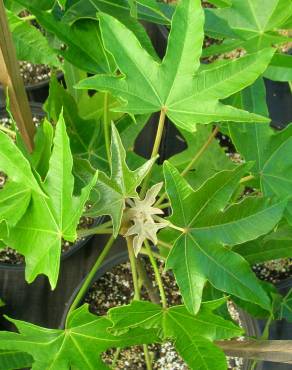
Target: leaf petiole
[192,162]
[90,276]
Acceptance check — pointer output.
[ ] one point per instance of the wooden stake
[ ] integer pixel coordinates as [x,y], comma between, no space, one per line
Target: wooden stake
[260,350]
[10,77]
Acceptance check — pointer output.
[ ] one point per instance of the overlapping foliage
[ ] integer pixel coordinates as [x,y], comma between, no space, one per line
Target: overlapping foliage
[214,230]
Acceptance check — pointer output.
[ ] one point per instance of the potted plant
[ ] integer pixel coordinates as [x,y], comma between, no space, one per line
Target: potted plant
[201,218]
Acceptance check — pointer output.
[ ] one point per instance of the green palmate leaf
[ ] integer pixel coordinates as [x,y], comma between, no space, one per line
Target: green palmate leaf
[85,134]
[210,162]
[43,141]
[192,335]
[267,148]
[255,22]
[12,360]
[121,10]
[147,10]
[171,85]
[89,56]
[286,307]
[122,184]
[29,42]
[14,200]
[51,217]
[200,254]
[16,194]
[280,68]
[276,245]
[79,345]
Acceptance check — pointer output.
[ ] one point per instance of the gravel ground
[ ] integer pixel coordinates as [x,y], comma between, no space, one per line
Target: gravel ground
[115,288]
[33,74]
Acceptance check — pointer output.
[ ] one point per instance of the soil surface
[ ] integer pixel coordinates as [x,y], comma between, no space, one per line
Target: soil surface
[115,288]
[33,74]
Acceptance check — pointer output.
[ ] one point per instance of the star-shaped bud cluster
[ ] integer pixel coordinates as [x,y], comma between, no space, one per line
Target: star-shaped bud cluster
[145,218]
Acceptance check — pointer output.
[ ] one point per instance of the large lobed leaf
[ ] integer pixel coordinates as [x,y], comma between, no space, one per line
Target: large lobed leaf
[201,252]
[255,24]
[175,85]
[192,335]
[52,215]
[79,345]
[267,148]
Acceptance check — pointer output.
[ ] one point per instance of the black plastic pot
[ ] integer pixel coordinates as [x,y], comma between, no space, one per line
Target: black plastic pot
[36,302]
[251,326]
[38,92]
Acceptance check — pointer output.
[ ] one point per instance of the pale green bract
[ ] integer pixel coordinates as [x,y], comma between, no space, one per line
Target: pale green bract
[52,214]
[175,85]
[122,184]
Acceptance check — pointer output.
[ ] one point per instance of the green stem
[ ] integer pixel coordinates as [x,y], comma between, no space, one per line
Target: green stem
[156,255]
[164,244]
[29,18]
[133,269]
[201,151]
[246,179]
[11,133]
[147,357]
[264,336]
[106,127]
[157,274]
[137,293]
[155,149]
[90,276]
[193,161]
[116,357]
[82,233]
[104,228]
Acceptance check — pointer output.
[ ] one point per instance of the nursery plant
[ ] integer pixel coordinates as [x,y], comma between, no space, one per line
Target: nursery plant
[192,211]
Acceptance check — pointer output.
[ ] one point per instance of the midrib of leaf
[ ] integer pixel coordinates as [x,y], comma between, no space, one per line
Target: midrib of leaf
[254,15]
[137,67]
[271,15]
[179,198]
[202,322]
[233,221]
[220,266]
[126,8]
[274,153]
[81,353]
[59,351]
[205,90]
[209,200]
[188,270]
[103,50]
[190,338]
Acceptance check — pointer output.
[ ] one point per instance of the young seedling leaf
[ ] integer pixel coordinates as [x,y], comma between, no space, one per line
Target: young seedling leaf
[173,85]
[200,253]
[122,184]
[79,345]
[52,216]
[192,335]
